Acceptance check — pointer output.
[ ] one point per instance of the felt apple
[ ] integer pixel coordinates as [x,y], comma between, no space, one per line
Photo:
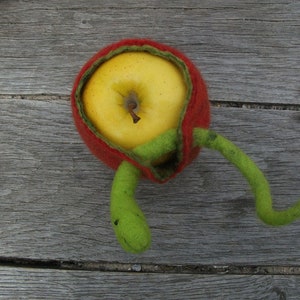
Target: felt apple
[142,108]
[125,78]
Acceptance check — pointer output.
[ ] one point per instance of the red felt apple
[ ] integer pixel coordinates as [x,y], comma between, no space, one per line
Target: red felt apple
[194,113]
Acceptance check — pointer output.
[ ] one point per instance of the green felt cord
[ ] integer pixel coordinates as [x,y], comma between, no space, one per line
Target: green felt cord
[129,222]
[256,179]
[161,145]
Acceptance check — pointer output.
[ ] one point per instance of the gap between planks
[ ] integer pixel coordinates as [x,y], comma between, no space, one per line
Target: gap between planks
[216,103]
[105,266]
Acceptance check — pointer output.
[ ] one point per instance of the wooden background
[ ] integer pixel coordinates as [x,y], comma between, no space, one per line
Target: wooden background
[56,241]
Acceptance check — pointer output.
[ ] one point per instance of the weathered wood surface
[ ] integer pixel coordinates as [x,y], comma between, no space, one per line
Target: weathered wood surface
[248,51]
[54,195]
[53,284]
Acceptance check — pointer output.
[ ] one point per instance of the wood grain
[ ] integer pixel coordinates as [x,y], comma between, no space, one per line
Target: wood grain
[247,51]
[55,194]
[52,284]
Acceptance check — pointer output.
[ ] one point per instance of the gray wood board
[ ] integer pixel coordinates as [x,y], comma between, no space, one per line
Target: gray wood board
[55,194]
[248,51]
[16,283]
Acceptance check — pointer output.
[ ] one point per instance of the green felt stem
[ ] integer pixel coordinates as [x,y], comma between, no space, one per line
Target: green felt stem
[256,179]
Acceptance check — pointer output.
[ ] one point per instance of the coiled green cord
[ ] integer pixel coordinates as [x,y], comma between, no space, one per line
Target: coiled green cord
[129,222]
[256,179]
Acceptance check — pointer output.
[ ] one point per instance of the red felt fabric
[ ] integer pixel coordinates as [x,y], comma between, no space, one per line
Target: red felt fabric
[197,113]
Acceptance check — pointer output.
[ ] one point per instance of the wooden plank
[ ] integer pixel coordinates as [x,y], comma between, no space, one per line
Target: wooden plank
[247,51]
[16,283]
[55,194]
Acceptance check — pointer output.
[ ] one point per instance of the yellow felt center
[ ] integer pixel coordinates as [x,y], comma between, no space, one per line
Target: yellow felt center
[134,83]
